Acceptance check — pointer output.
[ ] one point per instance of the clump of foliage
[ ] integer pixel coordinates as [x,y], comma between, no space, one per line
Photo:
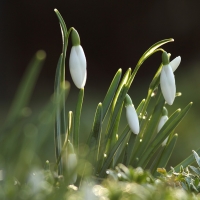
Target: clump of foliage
[81,168]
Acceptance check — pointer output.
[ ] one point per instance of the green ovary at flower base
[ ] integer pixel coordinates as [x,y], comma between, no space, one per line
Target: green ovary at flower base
[77,61]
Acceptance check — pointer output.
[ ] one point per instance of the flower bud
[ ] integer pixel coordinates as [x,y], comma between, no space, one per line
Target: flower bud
[131,115]
[77,61]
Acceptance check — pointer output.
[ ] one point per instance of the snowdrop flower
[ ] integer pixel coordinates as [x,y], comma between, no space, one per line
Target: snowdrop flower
[77,61]
[131,115]
[162,122]
[167,80]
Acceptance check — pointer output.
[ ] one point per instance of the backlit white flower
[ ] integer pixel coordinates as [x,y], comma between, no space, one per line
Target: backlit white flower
[77,62]
[131,115]
[167,79]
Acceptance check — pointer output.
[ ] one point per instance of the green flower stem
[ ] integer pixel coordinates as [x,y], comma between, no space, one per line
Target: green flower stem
[70,125]
[166,154]
[77,117]
[169,126]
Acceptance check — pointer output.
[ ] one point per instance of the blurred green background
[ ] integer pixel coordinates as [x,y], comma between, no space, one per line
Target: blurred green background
[114,34]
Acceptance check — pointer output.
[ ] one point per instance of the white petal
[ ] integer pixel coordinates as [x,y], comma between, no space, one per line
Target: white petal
[132,119]
[175,63]
[162,121]
[167,84]
[77,66]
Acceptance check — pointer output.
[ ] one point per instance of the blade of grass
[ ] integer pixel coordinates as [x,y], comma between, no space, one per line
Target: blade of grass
[166,154]
[25,88]
[169,126]
[111,92]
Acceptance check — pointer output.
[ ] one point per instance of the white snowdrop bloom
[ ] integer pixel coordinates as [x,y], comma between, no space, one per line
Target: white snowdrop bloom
[77,62]
[175,63]
[167,81]
[131,115]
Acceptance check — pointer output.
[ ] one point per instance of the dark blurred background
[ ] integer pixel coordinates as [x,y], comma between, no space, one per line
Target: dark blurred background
[114,34]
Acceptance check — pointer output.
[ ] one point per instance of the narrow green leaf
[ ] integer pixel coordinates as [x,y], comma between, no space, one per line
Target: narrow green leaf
[109,159]
[122,83]
[169,126]
[148,129]
[166,154]
[188,161]
[111,92]
[149,52]
[26,86]
[94,140]
[121,149]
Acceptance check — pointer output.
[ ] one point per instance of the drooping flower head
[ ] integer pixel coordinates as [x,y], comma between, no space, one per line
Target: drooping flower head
[162,122]
[131,115]
[167,79]
[77,61]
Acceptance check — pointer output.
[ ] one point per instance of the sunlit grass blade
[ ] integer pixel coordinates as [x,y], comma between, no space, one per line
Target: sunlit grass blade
[77,117]
[59,118]
[69,131]
[25,88]
[165,155]
[114,115]
[110,155]
[111,92]
[122,83]
[94,139]
[118,157]
[188,161]
[169,126]
[62,22]
[148,130]
[153,49]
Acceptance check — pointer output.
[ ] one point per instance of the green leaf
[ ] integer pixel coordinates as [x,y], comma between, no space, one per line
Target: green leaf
[149,52]
[109,158]
[94,140]
[122,83]
[147,130]
[25,88]
[166,154]
[169,126]
[111,92]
